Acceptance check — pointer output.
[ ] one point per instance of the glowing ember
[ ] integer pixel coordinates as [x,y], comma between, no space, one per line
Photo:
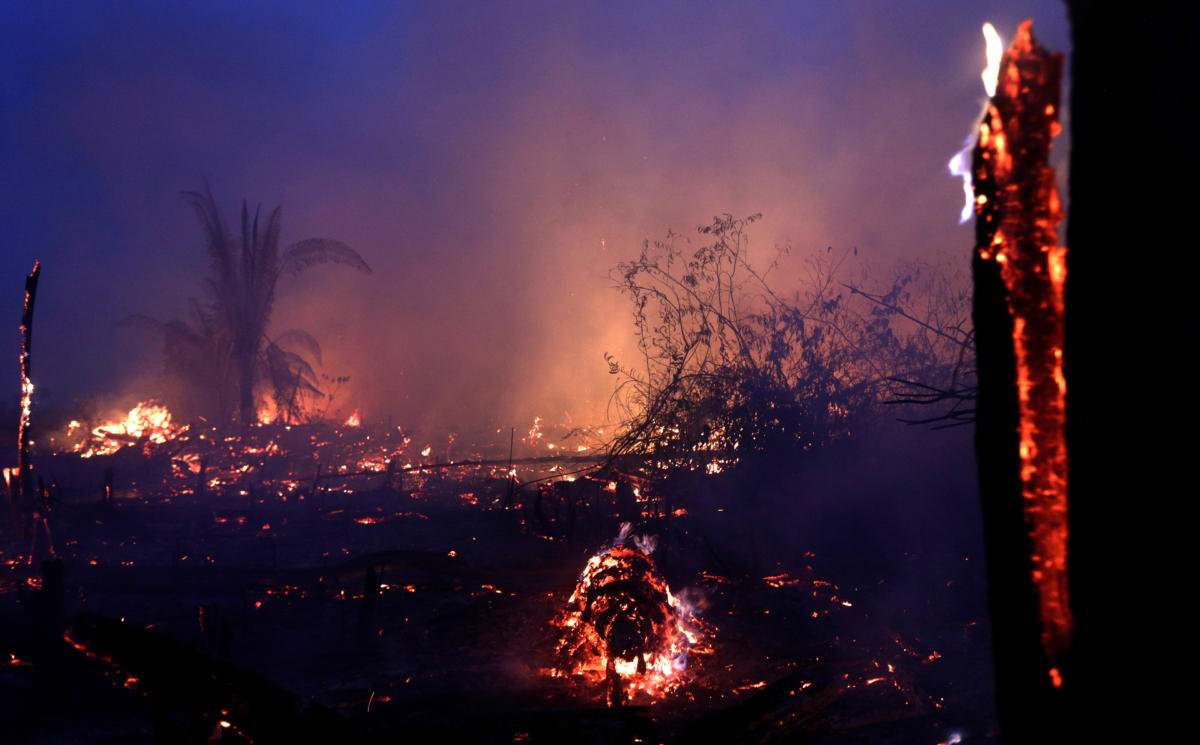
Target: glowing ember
[1017,233]
[623,627]
[148,419]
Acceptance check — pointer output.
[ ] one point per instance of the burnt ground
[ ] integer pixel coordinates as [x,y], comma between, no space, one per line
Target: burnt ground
[849,609]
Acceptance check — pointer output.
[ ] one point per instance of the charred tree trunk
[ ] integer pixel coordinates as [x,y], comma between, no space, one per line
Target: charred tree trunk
[1019,268]
[1129,327]
[24,498]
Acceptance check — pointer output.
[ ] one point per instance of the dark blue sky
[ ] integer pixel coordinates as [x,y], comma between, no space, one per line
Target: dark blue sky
[476,154]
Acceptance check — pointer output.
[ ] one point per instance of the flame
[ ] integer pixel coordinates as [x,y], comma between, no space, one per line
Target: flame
[623,626]
[995,50]
[266,412]
[535,432]
[148,419]
[960,164]
[353,420]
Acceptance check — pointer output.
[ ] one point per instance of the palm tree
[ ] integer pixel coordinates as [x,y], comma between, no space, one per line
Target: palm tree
[225,347]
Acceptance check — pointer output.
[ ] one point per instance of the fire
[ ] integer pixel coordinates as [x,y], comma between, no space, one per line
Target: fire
[995,49]
[353,420]
[266,412]
[148,419]
[1018,232]
[960,164]
[623,626]
[535,432]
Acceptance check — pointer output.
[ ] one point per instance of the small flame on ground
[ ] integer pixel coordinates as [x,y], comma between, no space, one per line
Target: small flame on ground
[624,628]
[148,419]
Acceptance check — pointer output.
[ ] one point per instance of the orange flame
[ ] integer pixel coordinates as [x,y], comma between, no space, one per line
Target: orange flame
[148,419]
[623,626]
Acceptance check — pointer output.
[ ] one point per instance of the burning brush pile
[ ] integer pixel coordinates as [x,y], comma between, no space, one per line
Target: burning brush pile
[148,420]
[624,629]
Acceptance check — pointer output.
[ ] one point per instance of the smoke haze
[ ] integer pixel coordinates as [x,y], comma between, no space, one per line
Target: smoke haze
[492,164]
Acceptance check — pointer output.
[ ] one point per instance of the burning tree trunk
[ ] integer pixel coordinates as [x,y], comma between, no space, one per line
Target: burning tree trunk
[1020,272]
[1124,325]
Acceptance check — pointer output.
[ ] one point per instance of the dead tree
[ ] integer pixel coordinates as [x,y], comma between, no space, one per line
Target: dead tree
[1019,271]
[24,497]
[1063,638]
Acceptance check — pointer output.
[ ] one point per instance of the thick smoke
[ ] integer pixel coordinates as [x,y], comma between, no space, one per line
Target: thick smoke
[492,164]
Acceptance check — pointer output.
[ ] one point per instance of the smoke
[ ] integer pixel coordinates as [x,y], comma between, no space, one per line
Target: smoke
[491,164]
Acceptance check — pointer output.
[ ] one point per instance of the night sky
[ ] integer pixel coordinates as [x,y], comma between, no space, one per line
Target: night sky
[491,161]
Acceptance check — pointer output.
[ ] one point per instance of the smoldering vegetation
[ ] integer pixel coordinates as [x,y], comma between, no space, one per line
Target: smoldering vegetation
[371,510]
[258,575]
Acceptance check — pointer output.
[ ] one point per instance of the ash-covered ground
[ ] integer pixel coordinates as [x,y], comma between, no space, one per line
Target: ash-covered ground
[255,598]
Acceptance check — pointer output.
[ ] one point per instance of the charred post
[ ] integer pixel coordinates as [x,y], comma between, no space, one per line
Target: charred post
[1019,271]
[108,486]
[25,494]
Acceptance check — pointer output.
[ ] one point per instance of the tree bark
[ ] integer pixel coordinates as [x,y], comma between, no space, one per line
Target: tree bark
[1020,446]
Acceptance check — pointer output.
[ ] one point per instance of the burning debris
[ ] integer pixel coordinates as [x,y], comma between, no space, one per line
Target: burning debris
[623,625]
[148,419]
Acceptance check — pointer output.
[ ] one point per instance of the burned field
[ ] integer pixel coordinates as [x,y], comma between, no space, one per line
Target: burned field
[775,530]
[297,585]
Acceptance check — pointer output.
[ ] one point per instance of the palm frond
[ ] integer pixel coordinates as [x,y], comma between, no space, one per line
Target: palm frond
[222,350]
[299,338]
[264,274]
[312,251]
[219,245]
